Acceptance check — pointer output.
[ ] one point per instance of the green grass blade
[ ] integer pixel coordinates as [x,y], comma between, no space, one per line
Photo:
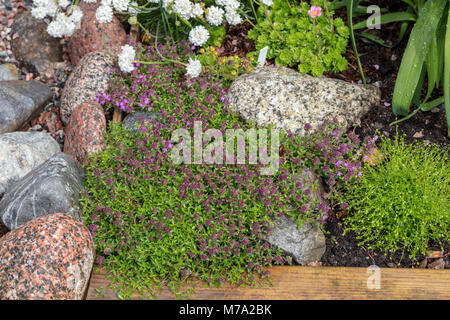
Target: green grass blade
[350,7]
[447,73]
[389,18]
[415,54]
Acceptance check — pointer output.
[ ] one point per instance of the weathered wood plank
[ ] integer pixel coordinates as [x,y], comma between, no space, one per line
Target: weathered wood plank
[294,282]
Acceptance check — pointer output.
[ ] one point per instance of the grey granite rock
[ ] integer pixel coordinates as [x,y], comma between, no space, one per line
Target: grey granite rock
[20,101]
[289,100]
[305,244]
[54,186]
[133,118]
[8,72]
[20,152]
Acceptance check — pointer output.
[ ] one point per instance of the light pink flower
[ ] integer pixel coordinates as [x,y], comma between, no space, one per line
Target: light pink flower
[315,12]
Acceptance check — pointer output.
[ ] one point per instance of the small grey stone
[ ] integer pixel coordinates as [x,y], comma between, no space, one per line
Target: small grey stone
[133,118]
[20,101]
[305,244]
[436,109]
[54,186]
[21,152]
[288,100]
[8,72]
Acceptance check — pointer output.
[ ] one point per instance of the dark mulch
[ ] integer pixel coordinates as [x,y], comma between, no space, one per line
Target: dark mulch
[235,41]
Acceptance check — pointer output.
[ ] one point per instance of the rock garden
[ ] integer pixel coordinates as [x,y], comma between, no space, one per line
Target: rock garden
[167,142]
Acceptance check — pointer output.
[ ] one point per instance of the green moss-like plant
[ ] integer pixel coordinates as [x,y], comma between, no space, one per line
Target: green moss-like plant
[403,199]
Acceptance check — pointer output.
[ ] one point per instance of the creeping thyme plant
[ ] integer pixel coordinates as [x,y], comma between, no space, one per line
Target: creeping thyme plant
[157,223]
[302,34]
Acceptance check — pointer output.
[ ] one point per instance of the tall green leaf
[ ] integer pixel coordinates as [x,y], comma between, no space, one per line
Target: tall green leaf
[389,18]
[447,73]
[415,54]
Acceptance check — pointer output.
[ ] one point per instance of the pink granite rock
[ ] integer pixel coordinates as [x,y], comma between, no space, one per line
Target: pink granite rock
[50,257]
[85,133]
[94,36]
[89,78]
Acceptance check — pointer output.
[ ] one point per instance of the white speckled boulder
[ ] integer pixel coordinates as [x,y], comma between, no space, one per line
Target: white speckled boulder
[20,152]
[289,100]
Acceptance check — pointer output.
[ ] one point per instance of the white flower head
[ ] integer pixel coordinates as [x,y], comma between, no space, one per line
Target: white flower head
[232,5]
[167,3]
[267,2]
[198,36]
[90,1]
[121,5]
[197,10]
[132,9]
[39,12]
[126,58]
[104,14]
[153,1]
[183,8]
[62,26]
[193,68]
[76,15]
[215,15]
[233,17]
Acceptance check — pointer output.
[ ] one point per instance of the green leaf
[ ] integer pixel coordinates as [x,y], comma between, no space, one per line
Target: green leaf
[389,18]
[415,54]
[447,73]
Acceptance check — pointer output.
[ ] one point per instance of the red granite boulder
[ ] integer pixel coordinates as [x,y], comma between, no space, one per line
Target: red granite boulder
[89,78]
[50,257]
[85,133]
[95,36]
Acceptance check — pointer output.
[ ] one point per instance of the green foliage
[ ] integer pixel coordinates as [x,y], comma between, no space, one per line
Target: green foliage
[295,38]
[226,68]
[403,201]
[427,55]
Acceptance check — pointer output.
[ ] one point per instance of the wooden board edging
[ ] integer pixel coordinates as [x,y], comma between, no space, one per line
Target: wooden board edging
[318,283]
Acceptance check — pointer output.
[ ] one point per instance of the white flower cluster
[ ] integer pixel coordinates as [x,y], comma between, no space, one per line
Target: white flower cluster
[126,58]
[198,36]
[66,20]
[193,68]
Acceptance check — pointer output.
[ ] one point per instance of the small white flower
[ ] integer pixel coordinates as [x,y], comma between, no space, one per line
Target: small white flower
[76,15]
[167,4]
[193,68]
[121,5]
[183,8]
[153,1]
[39,12]
[267,2]
[233,17]
[198,36]
[215,15]
[64,3]
[61,26]
[90,1]
[197,10]
[232,5]
[132,10]
[106,3]
[104,14]
[126,58]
